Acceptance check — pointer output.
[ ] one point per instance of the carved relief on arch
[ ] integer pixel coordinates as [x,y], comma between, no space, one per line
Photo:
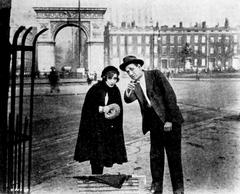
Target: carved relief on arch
[56,26]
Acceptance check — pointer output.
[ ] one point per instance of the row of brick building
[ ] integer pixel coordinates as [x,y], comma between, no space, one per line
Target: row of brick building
[211,48]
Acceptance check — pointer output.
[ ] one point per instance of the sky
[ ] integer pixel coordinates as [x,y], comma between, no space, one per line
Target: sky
[166,12]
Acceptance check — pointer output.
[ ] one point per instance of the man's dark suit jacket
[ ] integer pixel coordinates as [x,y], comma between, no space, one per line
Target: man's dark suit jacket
[162,98]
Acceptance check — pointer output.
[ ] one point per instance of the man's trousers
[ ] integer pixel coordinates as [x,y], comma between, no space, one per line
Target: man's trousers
[170,142]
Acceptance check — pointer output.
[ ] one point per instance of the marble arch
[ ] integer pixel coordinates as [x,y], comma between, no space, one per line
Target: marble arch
[56,18]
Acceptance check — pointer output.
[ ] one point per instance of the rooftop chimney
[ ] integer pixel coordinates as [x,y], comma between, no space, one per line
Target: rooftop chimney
[204,24]
[180,25]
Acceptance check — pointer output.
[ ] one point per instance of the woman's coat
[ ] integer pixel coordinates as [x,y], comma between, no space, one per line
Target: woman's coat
[100,139]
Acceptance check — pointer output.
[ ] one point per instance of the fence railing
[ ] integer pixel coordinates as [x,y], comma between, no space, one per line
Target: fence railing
[19,133]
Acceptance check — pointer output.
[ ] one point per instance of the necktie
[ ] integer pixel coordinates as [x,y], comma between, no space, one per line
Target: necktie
[142,97]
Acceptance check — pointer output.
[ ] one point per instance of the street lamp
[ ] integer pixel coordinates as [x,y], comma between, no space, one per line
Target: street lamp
[79,33]
[159,47]
[153,45]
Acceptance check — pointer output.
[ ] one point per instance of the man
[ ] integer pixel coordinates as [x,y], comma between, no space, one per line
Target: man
[161,116]
[54,80]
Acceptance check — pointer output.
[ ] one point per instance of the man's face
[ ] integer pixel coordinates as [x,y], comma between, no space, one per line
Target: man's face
[134,71]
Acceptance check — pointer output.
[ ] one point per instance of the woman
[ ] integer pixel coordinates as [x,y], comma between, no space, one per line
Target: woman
[100,139]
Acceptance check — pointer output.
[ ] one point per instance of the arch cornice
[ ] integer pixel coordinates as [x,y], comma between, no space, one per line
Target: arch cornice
[69,12]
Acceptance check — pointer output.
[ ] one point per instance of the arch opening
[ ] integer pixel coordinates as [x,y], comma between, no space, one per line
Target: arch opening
[68,56]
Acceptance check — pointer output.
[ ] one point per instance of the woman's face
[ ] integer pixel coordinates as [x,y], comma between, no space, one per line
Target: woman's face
[112,80]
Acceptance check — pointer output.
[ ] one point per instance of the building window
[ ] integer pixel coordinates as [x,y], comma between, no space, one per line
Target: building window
[115,53]
[114,39]
[203,39]
[129,39]
[227,39]
[219,38]
[147,50]
[226,49]
[155,40]
[219,50]
[195,62]
[164,50]
[139,39]
[164,39]
[195,48]
[179,39]
[171,39]
[130,49]
[235,38]
[139,50]
[147,39]
[196,38]
[122,40]
[172,63]
[235,49]
[203,62]
[171,49]
[155,49]
[211,39]
[155,63]
[179,49]
[203,49]
[122,50]
[211,50]
[146,63]
[188,39]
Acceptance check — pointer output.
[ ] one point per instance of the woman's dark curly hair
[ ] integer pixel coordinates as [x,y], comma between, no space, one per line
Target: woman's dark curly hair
[108,72]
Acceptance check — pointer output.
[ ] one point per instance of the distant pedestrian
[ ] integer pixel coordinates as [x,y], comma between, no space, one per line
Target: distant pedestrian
[168,74]
[161,116]
[89,78]
[100,139]
[197,74]
[95,76]
[53,78]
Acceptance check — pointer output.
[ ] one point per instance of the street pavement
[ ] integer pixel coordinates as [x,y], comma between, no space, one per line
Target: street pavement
[210,138]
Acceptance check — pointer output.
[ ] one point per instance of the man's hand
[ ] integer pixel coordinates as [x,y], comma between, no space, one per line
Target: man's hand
[130,88]
[168,126]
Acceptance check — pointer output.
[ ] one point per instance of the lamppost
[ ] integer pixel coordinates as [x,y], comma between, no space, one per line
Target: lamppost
[159,49]
[153,47]
[207,53]
[79,33]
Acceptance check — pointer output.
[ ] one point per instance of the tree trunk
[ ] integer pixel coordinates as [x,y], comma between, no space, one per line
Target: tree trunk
[5,7]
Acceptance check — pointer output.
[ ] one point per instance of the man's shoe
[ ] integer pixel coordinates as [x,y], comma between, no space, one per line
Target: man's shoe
[156,188]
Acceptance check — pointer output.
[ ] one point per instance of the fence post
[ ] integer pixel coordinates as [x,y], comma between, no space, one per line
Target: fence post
[5,7]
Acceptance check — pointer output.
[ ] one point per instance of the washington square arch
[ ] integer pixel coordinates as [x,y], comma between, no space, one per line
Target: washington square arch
[92,39]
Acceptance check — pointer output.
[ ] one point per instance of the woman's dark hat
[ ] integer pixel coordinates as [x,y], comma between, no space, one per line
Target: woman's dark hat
[128,60]
[109,68]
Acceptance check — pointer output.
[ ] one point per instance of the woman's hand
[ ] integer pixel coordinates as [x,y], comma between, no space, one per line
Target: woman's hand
[103,109]
[168,126]
[106,109]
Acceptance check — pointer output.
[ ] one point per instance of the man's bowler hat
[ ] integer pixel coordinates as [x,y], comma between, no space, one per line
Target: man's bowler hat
[129,60]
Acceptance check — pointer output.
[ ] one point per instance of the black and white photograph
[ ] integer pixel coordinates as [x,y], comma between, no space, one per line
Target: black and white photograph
[120,97]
